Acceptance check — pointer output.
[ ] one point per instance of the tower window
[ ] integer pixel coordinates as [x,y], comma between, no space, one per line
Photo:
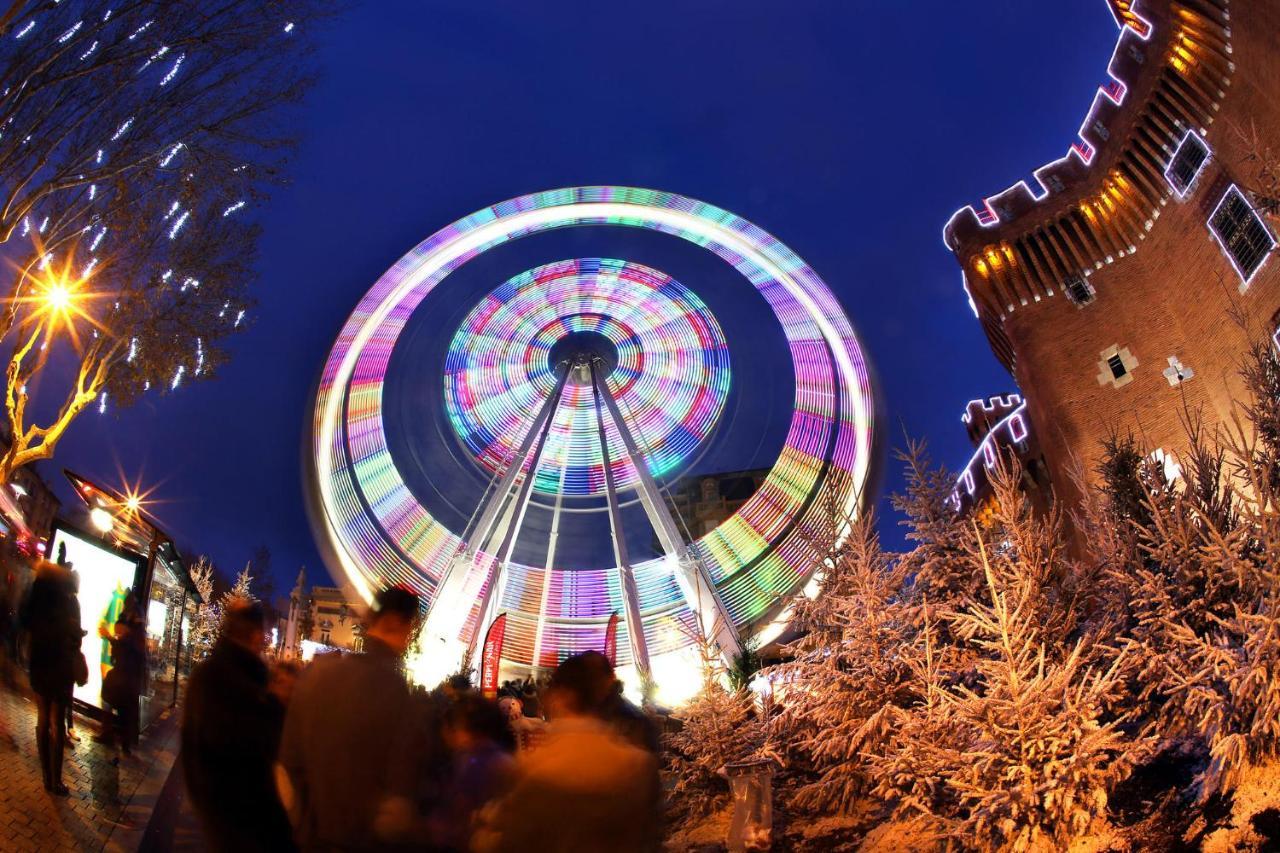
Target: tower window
[1078,290]
[1117,367]
[1187,163]
[1242,234]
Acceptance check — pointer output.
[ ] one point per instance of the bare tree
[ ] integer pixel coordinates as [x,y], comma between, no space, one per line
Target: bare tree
[135,139]
[1258,169]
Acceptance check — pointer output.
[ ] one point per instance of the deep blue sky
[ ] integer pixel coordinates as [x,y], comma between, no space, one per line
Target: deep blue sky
[849,130]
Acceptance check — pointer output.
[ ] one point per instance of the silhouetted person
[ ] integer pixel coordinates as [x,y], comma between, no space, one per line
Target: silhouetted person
[123,683]
[74,579]
[585,788]
[51,617]
[608,703]
[8,626]
[352,740]
[480,744]
[529,702]
[230,733]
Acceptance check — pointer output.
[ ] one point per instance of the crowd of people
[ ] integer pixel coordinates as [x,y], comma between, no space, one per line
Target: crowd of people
[40,625]
[347,755]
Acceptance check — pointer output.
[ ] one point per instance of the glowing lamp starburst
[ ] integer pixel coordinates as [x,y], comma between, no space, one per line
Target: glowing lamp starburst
[58,296]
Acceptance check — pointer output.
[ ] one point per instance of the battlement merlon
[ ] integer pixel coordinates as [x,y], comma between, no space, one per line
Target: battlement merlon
[1072,172]
[1168,75]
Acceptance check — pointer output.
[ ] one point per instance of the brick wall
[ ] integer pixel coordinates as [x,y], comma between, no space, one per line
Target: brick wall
[1177,295]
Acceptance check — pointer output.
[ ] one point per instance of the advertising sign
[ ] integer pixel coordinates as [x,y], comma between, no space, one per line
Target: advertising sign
[491,657]
[611,639]
[106,575]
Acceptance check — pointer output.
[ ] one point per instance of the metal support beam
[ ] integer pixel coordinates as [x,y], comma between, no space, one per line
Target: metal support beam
[691,575]
[484,528]
[546,576]
[447,625]
[630,594]
[519,508]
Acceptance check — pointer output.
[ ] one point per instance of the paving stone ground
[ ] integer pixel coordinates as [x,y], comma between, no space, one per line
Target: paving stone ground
[109,805]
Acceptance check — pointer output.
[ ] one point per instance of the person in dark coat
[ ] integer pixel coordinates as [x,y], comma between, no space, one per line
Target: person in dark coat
[353,745]
[51,617]
[230,733]
[123,684]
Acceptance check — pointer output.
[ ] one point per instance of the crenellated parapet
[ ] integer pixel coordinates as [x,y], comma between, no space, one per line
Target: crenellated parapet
[1168,75]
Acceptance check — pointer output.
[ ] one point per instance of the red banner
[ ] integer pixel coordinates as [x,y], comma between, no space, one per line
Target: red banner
[491,657]
[611,639]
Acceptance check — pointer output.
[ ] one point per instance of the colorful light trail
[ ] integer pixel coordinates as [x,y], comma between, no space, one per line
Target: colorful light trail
[671,378]
[379,533]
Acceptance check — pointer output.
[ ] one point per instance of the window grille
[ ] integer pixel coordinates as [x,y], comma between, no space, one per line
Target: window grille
[1242,233]
[1187,163]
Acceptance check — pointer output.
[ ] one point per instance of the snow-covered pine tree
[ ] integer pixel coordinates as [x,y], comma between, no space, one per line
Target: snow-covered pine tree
[718,726]
[848,666]
[1020,746]
[208,615]
[939,561]
[1205,594]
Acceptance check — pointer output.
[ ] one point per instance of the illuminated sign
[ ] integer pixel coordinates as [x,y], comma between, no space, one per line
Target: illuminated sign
[106,576]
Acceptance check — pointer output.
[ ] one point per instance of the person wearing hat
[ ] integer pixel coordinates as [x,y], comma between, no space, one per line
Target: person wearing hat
[350,757]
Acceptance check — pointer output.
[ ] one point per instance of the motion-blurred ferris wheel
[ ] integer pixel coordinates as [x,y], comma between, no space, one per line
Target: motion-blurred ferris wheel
[577,391]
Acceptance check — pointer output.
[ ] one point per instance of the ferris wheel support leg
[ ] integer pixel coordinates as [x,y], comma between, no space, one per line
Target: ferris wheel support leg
[630,594]
[446,625]
[489,601]
[691,575]
[546,575]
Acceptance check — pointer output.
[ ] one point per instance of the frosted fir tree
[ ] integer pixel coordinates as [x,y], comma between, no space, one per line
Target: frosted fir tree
[718,726]
[1023,753]
[1204,586]
[846,669]
[940,559]
[208,615]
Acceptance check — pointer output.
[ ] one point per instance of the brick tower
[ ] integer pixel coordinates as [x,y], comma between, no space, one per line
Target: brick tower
[1122,287]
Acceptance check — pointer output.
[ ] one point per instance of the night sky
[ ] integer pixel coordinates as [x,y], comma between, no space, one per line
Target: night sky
[851,131]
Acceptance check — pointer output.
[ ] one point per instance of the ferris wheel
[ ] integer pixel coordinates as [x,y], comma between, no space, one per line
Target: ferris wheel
[572,394]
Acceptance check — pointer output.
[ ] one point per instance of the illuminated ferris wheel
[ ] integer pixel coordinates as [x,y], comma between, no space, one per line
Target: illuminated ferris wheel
[567,398]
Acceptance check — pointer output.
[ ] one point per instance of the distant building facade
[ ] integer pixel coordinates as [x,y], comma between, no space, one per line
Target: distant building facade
[36,500]
[704,502]
[323,616]
[1122,288]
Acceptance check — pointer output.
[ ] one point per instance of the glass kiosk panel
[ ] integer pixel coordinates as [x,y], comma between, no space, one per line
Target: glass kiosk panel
[106,575]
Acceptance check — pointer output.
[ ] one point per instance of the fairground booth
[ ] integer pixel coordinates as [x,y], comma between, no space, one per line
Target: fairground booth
[117,551]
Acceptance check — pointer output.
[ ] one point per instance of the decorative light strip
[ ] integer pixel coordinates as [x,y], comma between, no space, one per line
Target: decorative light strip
[1115,91]
[990,405]
[1183,189]
[1015,425]
[1246,278]
[379,534]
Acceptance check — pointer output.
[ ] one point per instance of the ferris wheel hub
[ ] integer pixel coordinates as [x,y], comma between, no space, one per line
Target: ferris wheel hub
[578,352]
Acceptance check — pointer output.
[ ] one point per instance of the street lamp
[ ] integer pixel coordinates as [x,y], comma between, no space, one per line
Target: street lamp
[58,296]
